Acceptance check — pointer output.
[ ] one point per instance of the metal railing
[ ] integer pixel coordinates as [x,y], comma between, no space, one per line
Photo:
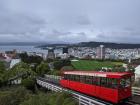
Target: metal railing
[82,99]
[135,91]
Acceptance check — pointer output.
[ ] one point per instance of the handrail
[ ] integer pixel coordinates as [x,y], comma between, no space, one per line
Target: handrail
[136,90]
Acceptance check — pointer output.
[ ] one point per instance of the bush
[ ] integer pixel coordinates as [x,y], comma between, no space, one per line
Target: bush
[21,69]
[61,99]
[54,72]
[42,69]
[13,96]
[30,59]
[40,99]
[29,83]
[59,64]
[50,99]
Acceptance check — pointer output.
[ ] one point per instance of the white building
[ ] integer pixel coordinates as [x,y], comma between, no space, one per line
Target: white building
[100,53]
[14,62]
[137,73]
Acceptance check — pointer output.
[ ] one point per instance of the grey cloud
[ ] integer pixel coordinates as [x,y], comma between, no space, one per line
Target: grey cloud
[73,20]
[19,24]
[82,20]
[123,37]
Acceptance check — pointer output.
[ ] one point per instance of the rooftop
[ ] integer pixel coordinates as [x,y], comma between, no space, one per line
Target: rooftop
[100,74]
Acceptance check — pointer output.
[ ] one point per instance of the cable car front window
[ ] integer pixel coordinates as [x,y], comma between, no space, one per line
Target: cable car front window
[128,82]
[125,82]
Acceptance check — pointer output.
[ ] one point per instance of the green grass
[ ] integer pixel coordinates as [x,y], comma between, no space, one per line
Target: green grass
[93,65]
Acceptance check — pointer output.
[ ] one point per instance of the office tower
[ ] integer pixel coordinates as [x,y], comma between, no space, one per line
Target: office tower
[65,50]
[100,54]
[51,54]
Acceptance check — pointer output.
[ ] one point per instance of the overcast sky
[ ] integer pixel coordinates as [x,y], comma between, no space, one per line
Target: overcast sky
[70,20]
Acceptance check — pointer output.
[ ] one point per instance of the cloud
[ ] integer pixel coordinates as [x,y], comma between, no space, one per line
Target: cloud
[72,21]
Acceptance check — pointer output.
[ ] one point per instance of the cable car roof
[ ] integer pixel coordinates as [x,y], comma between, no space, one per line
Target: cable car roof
[100,74]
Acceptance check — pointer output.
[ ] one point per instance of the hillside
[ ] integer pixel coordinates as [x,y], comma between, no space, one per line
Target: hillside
[95,44]
[108,45]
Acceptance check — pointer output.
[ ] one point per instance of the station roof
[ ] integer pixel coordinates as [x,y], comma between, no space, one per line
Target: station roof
[100,74]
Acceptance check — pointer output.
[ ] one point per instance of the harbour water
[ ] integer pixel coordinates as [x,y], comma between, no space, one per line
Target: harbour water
[27,49]
[22,49]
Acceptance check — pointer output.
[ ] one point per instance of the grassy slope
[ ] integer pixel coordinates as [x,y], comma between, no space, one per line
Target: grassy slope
[92,65]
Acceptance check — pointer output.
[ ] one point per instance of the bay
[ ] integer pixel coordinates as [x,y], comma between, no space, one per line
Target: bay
[23,49]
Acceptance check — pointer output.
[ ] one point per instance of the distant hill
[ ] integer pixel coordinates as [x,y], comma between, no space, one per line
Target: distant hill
[40,44]
[108,45]
[81,44]
[96,44]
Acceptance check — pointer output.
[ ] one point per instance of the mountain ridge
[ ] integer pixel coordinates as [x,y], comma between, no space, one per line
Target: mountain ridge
[80,44]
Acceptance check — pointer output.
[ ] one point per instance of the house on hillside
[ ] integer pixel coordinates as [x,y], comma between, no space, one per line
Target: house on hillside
[9,61]
[137,73]
[14,62]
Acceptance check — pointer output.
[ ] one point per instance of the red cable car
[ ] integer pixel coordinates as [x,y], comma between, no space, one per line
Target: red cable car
[109,86]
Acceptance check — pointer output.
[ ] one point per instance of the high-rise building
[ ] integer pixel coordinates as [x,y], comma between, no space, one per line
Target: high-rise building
[51,54]
[100,53]
[65,50]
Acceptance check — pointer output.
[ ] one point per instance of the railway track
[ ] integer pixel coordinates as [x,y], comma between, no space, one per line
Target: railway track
[132,103]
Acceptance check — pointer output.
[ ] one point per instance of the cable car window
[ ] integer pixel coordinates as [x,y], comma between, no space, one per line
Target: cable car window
[65,77]
[128,82]
[114,83]
[82,79]
[89,79]
[94,80]
[103,81]
[122,83]
[77,78]
[109,82]
[71,77]
[98,81]
[125,82]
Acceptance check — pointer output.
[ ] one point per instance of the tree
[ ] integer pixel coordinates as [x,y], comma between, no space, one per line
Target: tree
[39,99]
[21,69]
[69,101]
[59,64]
[30,59]
[43,68]
[29,83]
[2,72]
[2,67]
[13,96]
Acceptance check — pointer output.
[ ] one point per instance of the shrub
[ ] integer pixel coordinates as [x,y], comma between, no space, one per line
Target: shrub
[29,83]
[42,68]
[50,99]
[13,96]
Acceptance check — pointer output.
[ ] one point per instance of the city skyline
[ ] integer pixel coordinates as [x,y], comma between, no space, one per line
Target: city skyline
[70,21]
